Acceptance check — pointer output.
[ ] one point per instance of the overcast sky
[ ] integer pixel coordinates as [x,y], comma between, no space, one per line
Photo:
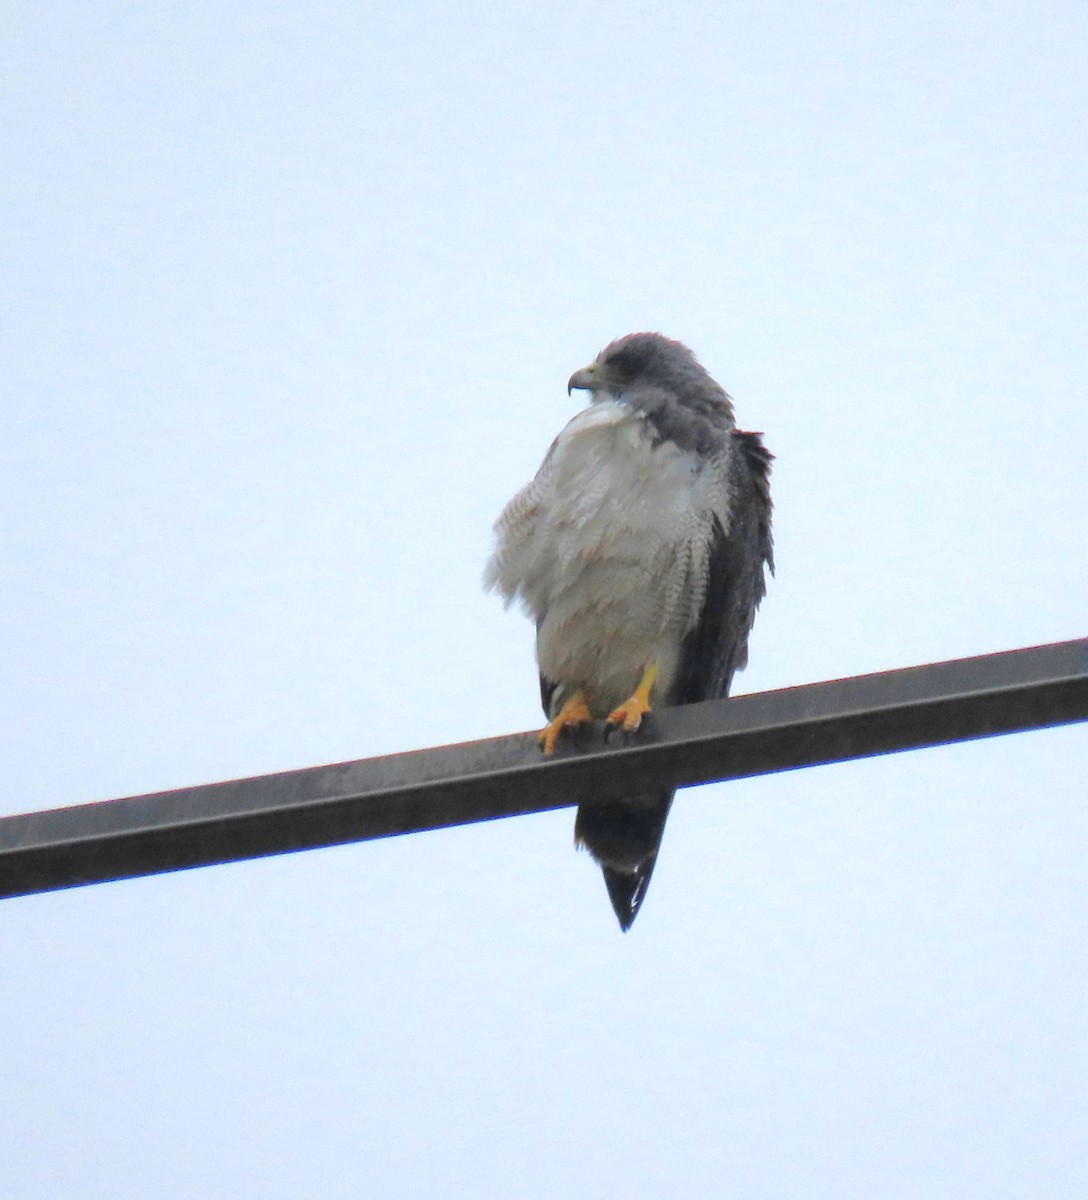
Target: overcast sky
[289,300]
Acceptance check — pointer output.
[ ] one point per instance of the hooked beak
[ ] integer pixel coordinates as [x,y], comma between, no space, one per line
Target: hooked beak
[585,378]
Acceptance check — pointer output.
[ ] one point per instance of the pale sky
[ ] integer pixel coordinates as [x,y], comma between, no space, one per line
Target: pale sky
[290,295]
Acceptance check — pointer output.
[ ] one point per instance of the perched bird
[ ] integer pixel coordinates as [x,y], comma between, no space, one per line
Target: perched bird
[639,550]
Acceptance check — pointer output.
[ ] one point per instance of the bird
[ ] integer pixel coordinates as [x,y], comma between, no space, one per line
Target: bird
[640,550]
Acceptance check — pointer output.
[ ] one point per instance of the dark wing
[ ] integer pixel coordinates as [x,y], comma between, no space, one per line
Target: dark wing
[718,645]
[547,691]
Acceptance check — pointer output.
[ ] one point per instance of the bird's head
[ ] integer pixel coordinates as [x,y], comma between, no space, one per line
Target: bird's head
[640,362]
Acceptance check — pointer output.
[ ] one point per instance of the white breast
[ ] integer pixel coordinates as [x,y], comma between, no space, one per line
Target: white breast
[608,549]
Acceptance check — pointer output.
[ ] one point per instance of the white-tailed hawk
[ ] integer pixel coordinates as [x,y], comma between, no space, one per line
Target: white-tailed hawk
[639,549]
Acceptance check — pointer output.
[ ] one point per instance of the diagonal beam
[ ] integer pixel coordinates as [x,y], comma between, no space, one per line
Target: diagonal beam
[501,777]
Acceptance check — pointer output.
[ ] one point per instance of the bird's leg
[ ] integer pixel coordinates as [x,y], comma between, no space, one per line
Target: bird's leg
[574,712]
[630,712]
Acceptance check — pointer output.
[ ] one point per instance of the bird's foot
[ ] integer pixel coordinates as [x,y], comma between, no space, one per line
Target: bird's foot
[574,712]
[630,713]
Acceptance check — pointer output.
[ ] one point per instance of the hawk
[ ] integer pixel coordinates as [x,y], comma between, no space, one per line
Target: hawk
[639,550]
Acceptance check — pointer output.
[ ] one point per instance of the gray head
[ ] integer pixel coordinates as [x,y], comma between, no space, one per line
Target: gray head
[643,361]
[654,374]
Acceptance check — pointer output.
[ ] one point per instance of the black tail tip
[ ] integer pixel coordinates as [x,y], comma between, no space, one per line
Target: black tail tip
[627,890]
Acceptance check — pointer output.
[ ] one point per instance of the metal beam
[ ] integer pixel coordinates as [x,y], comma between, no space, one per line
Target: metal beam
[506,776]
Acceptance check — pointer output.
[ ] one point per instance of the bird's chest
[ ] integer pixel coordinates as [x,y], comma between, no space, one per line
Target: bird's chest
[615,483]
[620,562]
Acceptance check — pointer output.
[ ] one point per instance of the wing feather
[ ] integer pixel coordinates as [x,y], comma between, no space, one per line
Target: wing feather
[718,645]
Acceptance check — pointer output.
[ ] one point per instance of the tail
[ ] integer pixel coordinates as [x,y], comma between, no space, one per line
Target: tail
[624,837]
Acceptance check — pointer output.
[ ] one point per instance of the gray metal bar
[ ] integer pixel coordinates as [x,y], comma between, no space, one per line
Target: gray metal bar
[506,776]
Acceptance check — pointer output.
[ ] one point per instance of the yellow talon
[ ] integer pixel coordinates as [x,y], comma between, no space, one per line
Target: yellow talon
[630,712]
[574,712]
